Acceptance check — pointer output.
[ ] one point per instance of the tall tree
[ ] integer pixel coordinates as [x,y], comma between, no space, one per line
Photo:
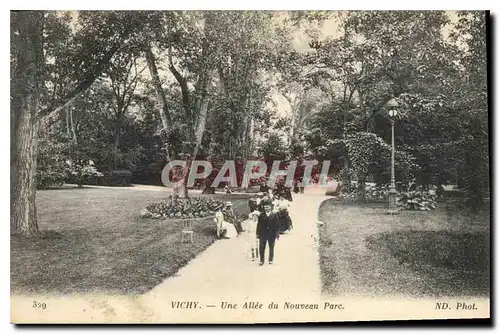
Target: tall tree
[27,67]
[98,35]
[471,100]
[218,72]
[123,75]
[379,56]
[161,98]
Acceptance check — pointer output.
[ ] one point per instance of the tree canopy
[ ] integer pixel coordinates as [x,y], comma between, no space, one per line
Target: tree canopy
[127,91]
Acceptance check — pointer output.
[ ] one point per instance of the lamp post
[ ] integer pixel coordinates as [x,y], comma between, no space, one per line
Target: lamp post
[392,105]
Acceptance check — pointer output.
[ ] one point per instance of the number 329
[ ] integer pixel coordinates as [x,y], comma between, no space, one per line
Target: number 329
[36,304]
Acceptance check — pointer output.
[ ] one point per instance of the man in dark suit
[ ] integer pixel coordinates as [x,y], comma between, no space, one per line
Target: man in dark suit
[268,229]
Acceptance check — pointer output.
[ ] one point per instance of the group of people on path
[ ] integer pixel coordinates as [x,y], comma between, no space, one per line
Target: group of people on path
[268,219]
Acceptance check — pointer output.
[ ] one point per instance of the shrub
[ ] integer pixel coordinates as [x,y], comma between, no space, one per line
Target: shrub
[370,158]
[120,178]
[191,207]
[50,177]
[417,200]
[378,192]
[373,193]
[81,172]
[348,196]
[51,165]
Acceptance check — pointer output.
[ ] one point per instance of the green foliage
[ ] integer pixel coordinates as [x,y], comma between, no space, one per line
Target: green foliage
[51,165]
[174,207]
[82,172]
[476,169]
[120,178]
[440,83]
[370,157]
[364,149]
[235,62]
[345,176]
[472,101]
[377,192]
[373,193]
[273,147]
[406,200]
[49,177]
[416,200]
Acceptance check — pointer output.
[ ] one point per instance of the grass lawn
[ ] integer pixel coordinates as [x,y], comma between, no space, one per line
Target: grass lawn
[366,253]
[97,242]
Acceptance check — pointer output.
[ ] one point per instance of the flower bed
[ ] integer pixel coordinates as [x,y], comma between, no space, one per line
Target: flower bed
[406,200]
[417,200]
[191,207]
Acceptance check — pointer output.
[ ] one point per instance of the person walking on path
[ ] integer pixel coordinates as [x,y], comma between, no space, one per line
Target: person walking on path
[251,226]
[268,227]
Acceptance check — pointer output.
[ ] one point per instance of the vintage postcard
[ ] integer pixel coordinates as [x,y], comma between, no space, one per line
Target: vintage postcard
[178,167]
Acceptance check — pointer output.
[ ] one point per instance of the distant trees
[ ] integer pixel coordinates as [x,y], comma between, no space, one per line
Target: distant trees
[130,91]
[78,77]
[427,61]
[50,67]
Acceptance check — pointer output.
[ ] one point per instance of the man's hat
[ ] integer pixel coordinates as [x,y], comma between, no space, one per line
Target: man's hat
[267,202]
[229,203]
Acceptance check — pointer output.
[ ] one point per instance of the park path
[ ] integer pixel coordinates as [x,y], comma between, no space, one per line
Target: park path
[225,273]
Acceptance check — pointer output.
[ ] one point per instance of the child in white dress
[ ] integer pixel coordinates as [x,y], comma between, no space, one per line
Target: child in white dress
[251,227]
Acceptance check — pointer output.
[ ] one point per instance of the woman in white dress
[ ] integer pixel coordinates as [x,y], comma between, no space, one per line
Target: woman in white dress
[225,229]
[251,226]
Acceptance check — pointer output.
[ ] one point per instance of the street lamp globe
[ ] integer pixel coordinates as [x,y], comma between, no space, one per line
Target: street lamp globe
[392,105]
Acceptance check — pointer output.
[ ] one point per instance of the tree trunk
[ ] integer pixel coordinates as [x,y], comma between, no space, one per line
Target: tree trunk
[291,133]
[25,107]
[23,218]
[160,94]
[347,184]
[362,190]
[186,97]
[246,144]
[200,129]
[251,131]
[115,146]
[181,191]
[198,134]
[68,125]
[73,131]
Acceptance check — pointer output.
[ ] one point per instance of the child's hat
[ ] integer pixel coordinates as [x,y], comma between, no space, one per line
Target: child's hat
[253,213]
